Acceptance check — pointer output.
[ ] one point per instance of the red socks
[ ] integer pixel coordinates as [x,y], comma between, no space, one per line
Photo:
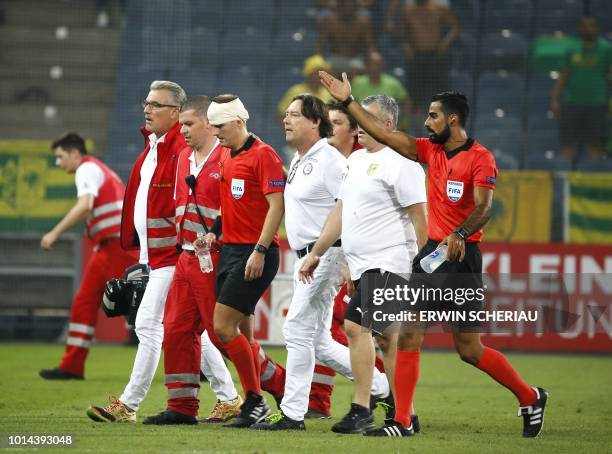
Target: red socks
[406,377]
[256,360]
[499,368]
[239,351]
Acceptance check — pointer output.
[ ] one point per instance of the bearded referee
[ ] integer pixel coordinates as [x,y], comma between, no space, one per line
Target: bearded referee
[456,218]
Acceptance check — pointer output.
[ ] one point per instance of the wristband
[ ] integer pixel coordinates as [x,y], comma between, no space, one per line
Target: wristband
[260,248]
[347,101]
[461,232]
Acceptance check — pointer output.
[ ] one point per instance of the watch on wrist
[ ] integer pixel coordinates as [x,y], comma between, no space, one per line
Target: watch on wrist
[260,248]
[461,232]
[347,101]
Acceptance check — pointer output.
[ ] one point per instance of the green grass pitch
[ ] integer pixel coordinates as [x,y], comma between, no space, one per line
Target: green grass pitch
[460,408]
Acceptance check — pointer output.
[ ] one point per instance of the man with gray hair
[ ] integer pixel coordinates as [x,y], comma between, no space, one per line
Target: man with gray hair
[147,225]
[381,218]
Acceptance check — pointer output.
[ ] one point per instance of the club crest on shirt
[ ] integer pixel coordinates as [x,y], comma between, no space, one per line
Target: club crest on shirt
[307,168]
[237,188]
[454,190]
[372,169]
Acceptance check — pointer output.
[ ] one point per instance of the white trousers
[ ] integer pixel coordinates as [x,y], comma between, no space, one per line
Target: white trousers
[308,337]
[216,371]
[150,332]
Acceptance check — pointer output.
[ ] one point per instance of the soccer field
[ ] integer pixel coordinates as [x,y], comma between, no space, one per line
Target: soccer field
[460,408]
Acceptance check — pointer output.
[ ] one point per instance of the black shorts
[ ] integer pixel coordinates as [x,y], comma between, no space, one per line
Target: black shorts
[586,125]
[452,287]
[232,289]
[369,307]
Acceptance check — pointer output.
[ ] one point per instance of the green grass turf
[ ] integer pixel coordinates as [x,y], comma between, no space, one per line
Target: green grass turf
[461,409]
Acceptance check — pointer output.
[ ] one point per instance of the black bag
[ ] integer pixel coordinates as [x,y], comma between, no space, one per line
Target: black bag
[123,296]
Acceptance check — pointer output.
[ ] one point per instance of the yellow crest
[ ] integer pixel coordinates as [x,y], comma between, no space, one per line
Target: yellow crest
[372,169]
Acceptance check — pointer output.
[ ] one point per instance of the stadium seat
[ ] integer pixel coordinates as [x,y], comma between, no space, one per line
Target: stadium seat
[462,82]
[463,51]
[505,50]
[504,161]
[209,14]
[500,93]
[543,141]
[485,121]
[513,15]
[554,16]
[292,46]
[552,163]
[594,165]
[247,46]
[241,14]
[205,47]
[242,83]
[466,12]
[297,14]
[539,95]
[506,141]
[542,121]
[279,81]
[196,81]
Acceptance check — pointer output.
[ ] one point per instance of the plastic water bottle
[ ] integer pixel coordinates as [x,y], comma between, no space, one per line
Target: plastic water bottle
[432,261]
[204,257]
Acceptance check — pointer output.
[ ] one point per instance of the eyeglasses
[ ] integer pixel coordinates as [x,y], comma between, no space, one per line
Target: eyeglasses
[155,105]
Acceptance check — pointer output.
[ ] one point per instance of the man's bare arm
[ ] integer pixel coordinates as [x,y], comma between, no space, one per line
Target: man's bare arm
[418,216]
[483,201]
[77,214]
[273,218]
[402,143]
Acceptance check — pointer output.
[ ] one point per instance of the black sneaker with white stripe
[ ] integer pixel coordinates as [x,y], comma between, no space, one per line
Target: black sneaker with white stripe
[358,420]
[414,420]
[533,415]
[253,410]
[391,429]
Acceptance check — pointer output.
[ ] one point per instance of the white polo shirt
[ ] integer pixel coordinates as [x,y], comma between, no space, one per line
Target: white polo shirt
[142,196]
[88,178]
[376,233]
[311,192]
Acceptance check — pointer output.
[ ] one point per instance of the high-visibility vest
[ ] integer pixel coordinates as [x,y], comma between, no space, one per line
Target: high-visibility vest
[104,220]
[161,229]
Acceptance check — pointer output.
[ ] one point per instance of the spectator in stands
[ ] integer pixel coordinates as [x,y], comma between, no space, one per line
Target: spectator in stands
[580,95]
[311,84]
[376,82]
[428,29]
[391,14]
[345,37]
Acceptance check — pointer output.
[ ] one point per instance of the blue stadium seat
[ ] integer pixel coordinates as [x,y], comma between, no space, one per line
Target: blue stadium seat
[594,165]
[485,121]
[196,81]
[542,141]
[500,90]
[558,16]
[539,95]
[240,81]
[554,163]
[504,51]
[505,161]
[462,82]
[506,141]
[463,51]
[241,14]
[280,80]
[514,15]
[466,12]
[297,14]
[293,45]
[542,121]
[247,46]
[209,13]
[205,47]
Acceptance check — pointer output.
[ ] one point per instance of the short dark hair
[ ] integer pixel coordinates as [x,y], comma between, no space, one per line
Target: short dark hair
[335,105]
[199,104]
[223,99]
[69,142]
[453,102]
[315,109]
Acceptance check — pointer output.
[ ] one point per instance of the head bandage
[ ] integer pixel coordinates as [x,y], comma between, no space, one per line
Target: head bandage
[221,113]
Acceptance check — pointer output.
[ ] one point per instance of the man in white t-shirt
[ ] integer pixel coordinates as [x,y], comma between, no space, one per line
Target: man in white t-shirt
[99,201]
[381,217]
[313,183]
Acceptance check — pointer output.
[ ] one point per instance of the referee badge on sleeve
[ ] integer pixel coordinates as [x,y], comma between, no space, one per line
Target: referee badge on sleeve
[237,188]
[454,190]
